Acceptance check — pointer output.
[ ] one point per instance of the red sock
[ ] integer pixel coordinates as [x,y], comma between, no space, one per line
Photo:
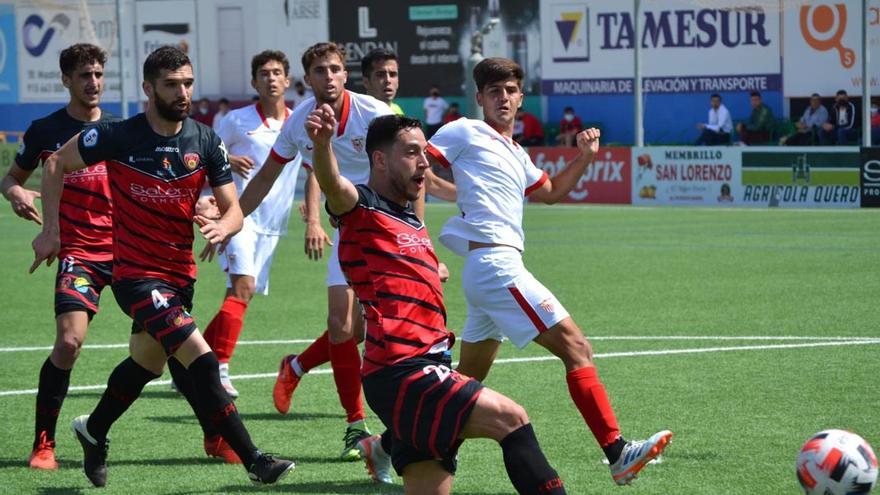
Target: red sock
[316,354]
[223,331]
[346,362]
[589,396]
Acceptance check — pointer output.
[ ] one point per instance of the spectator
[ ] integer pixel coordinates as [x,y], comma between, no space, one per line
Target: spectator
[719,126]
[222,110]
[203,112]
[814,117]
[841,129]
[569,127]
[452,114]
[435,107]
[527,130]
[300,93]
[760,123]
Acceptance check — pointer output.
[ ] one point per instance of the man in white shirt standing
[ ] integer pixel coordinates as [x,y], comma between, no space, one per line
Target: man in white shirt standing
[716,131]
[249,133]
[493,175]
[435,107]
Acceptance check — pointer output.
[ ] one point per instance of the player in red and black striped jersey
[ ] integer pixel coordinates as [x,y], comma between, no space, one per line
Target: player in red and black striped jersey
[157,164]
[388,259]
[85,223]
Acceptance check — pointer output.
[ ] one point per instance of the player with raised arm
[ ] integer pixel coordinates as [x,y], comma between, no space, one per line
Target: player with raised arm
[86,239]
[249,133]
[493,175]
[387,256]
[157,163]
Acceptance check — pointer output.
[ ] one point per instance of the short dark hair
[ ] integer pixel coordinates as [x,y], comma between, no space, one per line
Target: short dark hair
[492,70]
[715,95]
[841,92]
[755,93]
[80,54]
[815,95]
[376,55]
[264,56]
[568,109]
[166,57]
[224,100]
[383,131]
[319,50]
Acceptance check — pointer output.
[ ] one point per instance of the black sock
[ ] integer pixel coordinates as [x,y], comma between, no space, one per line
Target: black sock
[220,408]
[123,388]
[526,465]
[387,438]
[613,451]
[51,391]
[185,385]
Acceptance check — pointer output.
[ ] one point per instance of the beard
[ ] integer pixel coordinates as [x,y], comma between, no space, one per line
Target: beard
[168,111]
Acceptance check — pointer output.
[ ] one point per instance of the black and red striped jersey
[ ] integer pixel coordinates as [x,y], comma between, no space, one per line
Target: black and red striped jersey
[155,182]
[389,261]
[84,215]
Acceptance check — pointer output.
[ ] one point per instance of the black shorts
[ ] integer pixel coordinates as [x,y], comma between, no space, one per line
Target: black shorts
[159,308]
[79,283]
[425,404]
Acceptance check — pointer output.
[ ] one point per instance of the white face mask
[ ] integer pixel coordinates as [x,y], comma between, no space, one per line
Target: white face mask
[568,117]
[203,111]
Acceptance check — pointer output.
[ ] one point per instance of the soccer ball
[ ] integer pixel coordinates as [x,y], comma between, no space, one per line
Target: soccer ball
[836,462]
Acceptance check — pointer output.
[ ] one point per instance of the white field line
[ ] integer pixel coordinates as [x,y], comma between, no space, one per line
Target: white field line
[659,352]
[597,338]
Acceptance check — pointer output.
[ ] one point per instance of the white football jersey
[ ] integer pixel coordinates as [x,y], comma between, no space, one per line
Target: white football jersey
[248,132]
[493,175]
[349,143]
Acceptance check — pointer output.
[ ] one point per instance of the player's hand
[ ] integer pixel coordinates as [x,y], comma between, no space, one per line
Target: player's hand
[215,232]
[588,141]
[321,125]
[241,165]
[207,207]
[316,238]
[208,252]
[304,212]
[443,272]
[22,201]
[701,126]
[46,247]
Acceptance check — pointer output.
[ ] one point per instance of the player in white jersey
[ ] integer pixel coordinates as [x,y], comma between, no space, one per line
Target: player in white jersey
[493,176]
[249,133]
[324,68]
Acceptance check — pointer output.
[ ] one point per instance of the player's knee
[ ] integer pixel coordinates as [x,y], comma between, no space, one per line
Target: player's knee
[245,289]
[513,415]
[339,329]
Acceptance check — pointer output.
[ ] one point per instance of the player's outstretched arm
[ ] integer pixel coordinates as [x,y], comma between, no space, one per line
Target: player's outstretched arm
[21,199]
[553,190]
[341,194]
[229,223]
[259,186]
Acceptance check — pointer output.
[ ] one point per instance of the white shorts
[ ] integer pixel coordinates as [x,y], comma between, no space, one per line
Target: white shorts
[504,299]
[250,253]
[334,269]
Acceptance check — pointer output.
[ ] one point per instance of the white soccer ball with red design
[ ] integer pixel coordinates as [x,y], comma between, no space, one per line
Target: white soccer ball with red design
[836,462]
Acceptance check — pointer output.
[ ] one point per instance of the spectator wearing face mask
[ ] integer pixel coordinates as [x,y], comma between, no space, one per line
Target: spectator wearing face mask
[569,128]
[203,112]
[434,107]
[841,129]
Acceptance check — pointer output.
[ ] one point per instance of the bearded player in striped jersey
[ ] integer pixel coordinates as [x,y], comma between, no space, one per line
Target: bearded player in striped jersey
[388,259]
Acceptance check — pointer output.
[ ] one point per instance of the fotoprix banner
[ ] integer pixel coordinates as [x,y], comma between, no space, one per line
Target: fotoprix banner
[606,180]
[45,29]
[801,177]
[166,22]
[433,39]
[685,176]
[588,48]
[823,49]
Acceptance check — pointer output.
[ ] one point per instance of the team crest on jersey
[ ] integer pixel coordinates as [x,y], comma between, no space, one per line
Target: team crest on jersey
[546,305]
[191,160]
[358,144]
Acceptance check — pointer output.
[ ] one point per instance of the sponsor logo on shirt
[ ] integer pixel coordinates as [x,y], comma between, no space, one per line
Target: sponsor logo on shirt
[91,138]
[167,149]
[161,194]
[413,243]
[191,160]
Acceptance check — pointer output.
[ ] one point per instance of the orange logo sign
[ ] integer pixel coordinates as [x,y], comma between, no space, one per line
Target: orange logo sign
[822,27]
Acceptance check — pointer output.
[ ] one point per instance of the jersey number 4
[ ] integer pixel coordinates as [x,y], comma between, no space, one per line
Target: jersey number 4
[159,301]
